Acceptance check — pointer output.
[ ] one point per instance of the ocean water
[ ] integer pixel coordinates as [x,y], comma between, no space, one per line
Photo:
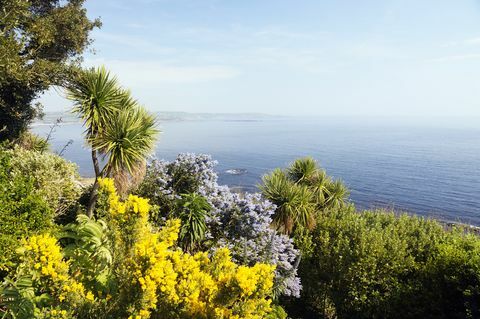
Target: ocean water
[426,170]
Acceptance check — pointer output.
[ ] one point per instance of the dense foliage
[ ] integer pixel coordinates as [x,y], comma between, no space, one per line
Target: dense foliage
[195,249]
[55,179]
[240,222]
[23,210]
[32,142]
[379,265]
[183,246]
[39,42]
[139,274]
[301,192]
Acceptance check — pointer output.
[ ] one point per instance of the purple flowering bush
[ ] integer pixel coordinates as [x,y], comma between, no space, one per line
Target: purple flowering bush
[240,222]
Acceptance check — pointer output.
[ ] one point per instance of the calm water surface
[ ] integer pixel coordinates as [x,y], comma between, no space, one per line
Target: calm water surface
[428,171]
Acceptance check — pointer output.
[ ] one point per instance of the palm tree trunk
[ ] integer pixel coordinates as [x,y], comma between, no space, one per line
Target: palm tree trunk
[93,198]
[108,171]
[96,165]
[94,192]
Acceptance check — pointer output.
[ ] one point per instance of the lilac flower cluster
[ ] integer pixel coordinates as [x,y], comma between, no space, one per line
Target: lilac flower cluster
[240,222]
[165,182]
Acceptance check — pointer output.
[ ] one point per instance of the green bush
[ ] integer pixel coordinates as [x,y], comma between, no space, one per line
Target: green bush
[32,142]
[379,265]
[54,178]
[22,210]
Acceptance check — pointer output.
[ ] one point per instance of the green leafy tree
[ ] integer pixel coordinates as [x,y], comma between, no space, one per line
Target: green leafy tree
[96,95]
[40,45]
[118,129]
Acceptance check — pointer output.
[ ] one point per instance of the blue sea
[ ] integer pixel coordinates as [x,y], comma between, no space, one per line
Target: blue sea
[429,170]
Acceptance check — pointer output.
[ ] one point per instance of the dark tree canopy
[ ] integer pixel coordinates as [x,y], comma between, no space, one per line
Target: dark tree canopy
[40,44]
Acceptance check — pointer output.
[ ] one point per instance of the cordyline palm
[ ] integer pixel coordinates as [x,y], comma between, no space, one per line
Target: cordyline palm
[126,140]
[117,128]
[328,193]
[294,202]
[302,170]
[300,192]
[337,193]
[96,95]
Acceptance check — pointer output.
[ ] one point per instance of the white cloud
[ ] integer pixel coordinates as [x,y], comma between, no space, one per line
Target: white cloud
[138,43]
[473,41]
[283,33]
[149,74]
[464,42]
[377,50]
[460,57]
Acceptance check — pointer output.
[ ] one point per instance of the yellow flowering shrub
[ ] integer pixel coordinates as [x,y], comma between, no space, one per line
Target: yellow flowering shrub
[133,204]
[149,277]
[43,267]
[173,283]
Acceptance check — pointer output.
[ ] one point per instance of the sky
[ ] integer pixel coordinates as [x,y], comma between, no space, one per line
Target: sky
[383,58]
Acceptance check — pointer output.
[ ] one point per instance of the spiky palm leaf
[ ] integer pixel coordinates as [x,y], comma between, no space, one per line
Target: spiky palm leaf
[34,142]
[305,210]
[301,192]
[302,170]
[274,188]
[294,202]
[193,210]
[127,139]
[337,194]
[96,96]
[319,185]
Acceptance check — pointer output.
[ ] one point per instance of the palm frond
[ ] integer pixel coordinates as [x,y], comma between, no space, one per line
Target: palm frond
[127,139]
[294,202]
[96,96]
[337,194]
[193,209]
[302,170]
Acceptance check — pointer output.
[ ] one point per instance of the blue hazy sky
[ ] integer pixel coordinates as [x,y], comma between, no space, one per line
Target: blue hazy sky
[345,57]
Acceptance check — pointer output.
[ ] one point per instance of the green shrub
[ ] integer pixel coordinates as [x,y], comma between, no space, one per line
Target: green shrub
[54,178]
[452,278]
[32,142]
[192,210]
[379,265]
[22,210]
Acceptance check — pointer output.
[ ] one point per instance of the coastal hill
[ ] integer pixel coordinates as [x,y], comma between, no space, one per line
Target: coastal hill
[68,117]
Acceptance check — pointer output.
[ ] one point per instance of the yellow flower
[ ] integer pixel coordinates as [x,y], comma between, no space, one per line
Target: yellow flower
[163,277]
[108,185]
[89,296]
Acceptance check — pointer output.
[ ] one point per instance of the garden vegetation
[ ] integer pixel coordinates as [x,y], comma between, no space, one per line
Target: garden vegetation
[162,239]
[185,247]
